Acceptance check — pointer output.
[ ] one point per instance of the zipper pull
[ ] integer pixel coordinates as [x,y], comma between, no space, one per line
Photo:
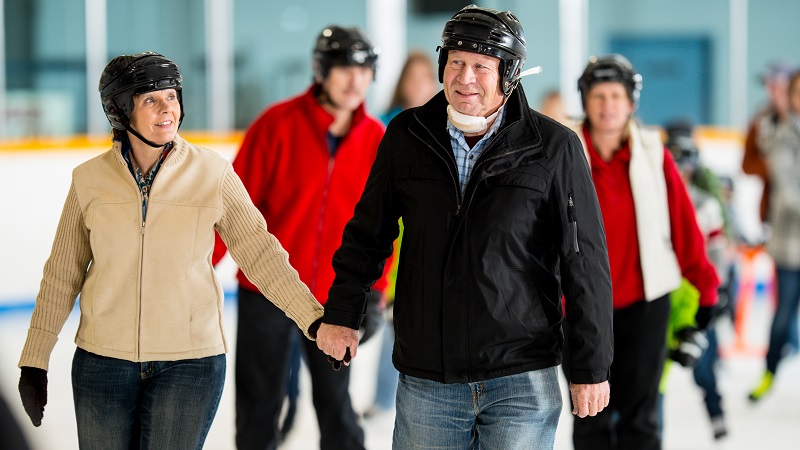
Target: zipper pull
[452,217]
[143,227]
[573,223]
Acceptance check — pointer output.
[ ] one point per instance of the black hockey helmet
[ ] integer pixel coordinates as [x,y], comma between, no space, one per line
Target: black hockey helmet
[615,68]
[342,46]
[128,75]
[488,32]
[681,145]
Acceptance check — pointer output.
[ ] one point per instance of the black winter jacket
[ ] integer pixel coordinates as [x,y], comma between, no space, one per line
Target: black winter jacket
[481,277]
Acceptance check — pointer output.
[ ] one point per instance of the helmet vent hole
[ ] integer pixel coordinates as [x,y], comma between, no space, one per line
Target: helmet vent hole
[494,36]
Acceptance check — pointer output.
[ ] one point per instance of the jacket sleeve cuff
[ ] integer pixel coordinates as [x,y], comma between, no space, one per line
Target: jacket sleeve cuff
[304,311]
[587,376]
[38,347]
[342,318]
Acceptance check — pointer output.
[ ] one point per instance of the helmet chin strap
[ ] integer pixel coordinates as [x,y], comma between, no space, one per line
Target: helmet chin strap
[470,124]
[142,138]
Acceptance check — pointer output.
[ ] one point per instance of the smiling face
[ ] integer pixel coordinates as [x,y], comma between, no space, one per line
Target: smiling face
[608,107]
[156,115]
[347,86]
[472,83]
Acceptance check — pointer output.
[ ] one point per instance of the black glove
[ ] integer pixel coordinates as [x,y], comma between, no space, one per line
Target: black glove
[704,316]
[692,343]
[33,391]
[338,364]
[373,318]
[314,327]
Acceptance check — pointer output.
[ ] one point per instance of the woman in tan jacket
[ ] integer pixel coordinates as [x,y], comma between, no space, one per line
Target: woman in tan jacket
[134,241]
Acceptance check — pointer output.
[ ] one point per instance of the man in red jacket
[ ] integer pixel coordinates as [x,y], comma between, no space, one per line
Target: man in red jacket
[305,162]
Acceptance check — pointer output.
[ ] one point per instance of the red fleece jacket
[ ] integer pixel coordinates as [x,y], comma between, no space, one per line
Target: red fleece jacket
[305,194]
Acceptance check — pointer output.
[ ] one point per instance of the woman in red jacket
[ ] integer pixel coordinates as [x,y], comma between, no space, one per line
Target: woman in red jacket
[653,240]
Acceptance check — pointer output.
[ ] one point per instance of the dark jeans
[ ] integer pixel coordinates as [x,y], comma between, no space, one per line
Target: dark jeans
[631,421]
[262,357]
[705,375]
[149,405]
[785,315]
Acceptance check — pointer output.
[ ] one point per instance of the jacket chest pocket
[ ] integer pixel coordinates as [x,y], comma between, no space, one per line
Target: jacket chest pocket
[512,200]
[531,180]
[426,188]
[420,173]
[515,189]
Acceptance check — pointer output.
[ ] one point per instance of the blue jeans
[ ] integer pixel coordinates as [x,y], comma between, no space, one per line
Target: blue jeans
[150,405]
[386,384]
[785,315]
[705,375]
[513,412]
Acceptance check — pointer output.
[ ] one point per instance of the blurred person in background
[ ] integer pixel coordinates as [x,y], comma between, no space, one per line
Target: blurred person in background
[758,141]
[416,85]
[304,162]
[553,107]
[500,218]
[783,243]
[135,241]
[653,242]
[762,127]
[705,191]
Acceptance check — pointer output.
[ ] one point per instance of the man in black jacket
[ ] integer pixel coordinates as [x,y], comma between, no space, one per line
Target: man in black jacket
[501,219]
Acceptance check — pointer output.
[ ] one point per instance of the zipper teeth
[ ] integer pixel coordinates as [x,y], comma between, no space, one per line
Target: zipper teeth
[141,282]
[320,222]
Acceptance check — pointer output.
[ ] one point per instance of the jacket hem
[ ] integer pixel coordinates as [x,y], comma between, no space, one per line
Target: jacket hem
[151,356]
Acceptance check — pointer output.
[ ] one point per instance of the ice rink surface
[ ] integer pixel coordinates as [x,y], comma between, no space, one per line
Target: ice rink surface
[770,424]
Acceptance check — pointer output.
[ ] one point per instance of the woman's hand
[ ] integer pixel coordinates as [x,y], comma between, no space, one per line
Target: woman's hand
[33,391]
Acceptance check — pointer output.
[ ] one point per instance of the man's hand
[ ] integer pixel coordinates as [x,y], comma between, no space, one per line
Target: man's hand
[337,341]
[589,399]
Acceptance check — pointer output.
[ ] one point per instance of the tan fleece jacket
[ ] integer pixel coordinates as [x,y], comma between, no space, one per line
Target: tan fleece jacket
[148,290]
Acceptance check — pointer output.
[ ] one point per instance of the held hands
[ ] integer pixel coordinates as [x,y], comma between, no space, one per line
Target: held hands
[338,342]
[589,399]
[33,391]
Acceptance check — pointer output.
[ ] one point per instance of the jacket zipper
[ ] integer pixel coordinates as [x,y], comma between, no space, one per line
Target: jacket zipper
[573,223]
[480,162]
[320,224]
[141,269]
[141,195]
[454,177]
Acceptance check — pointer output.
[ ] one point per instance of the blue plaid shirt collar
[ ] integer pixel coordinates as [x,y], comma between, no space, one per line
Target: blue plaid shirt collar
[465,156]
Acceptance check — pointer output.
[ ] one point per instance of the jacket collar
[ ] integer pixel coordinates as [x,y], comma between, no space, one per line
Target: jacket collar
[176,154]
[519,135]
